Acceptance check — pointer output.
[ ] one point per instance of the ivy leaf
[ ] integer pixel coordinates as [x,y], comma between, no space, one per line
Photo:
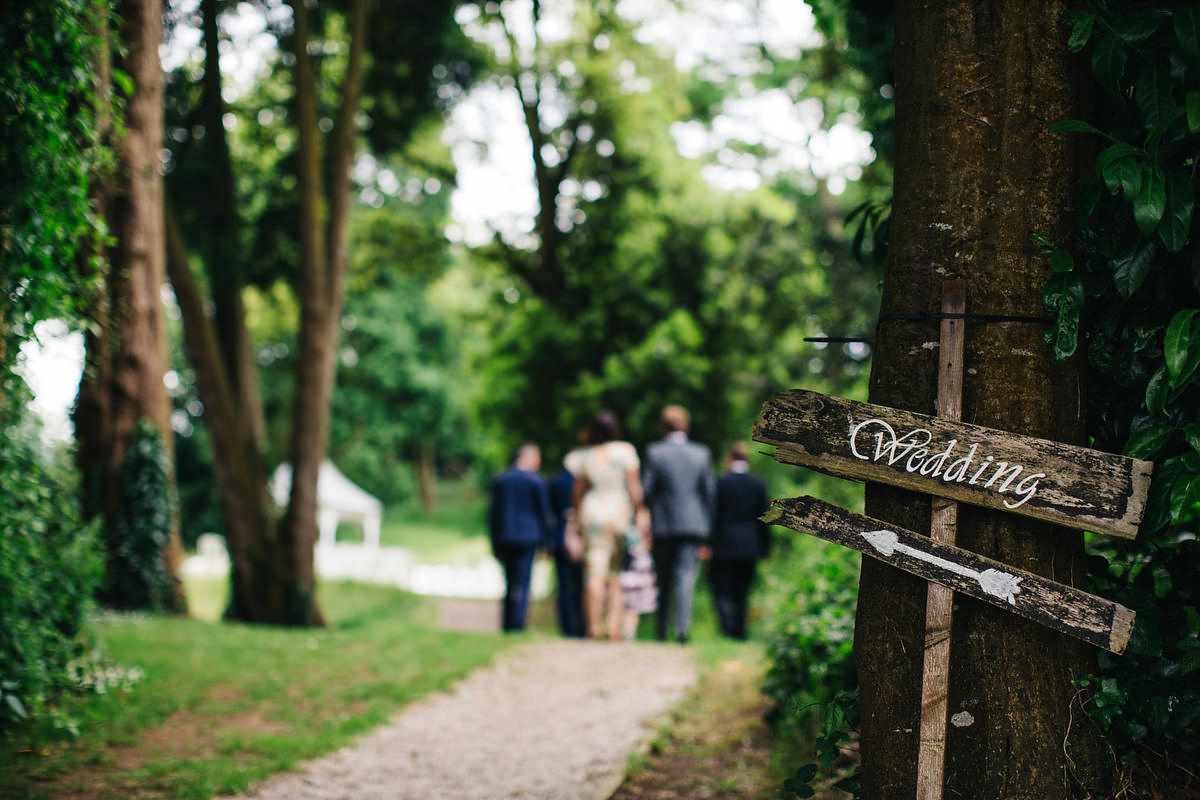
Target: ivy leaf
[1177,219]
[1146,443]
[1063,297]
[1108,60]
[1187,33]
[1175,344]
[1130,270]
[123,81]
[1153,95]
[1081,31]
[1151,201]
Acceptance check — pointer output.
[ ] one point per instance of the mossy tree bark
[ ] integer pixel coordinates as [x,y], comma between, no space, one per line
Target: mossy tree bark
[127,344]
[978,84]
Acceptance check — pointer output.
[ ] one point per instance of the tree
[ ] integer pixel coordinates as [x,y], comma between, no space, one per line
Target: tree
[272,576]
[977,88]
[122,382]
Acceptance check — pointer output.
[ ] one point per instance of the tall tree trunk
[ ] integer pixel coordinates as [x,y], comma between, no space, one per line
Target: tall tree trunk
[427,475]
[323,243]
[250,534]
[127,357]
[977,87]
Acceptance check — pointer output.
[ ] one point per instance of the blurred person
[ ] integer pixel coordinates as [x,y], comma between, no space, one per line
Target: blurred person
[678,486]
[517,525]
[568,566]
[739,540]
[608,494]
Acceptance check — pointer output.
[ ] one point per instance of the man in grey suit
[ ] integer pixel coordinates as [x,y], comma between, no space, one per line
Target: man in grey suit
[679,491]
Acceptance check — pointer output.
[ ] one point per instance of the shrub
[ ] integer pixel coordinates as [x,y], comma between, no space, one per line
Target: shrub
[811,592]
[49,567]
[137,539]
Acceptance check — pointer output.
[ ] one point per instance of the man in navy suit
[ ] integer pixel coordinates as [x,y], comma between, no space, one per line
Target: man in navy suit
[678,483]
[739,540]
[568,571]
[517,516]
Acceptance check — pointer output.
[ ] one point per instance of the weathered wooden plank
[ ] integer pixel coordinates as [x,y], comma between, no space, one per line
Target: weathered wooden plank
[1072,486]
[1062,608]
[939,600]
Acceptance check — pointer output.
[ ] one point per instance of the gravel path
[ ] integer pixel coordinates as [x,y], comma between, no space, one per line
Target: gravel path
[553,720]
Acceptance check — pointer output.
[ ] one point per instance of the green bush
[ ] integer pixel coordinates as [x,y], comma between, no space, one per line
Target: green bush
[49,567]
[811,590]
[138,537]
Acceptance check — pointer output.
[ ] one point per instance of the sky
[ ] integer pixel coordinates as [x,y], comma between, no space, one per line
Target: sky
[495,187]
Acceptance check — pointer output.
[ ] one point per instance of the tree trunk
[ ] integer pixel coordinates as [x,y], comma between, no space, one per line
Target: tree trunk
[323,243]
[977,87]
[127,354]
[250,535]
[427,475]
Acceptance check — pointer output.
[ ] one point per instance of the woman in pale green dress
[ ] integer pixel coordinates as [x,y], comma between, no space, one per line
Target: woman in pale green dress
[608,494]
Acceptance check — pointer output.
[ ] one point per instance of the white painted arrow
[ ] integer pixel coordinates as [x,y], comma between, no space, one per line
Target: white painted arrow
[992,581]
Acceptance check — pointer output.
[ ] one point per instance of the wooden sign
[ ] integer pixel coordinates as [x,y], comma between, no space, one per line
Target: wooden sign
[1055,605]
[1072,486]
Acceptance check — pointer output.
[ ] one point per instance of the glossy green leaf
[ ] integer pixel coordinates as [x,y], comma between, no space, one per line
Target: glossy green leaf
[1191,432]
[1185,494]
[1130,270]
[1147,442]
[1081,31]
[1176,223]
[1061,260]
[1140,26]
[1177,340]
[1076,126]
[1158,502]
[1108,60]
[1151,201]
[1187,33]
[1153,95]
[1192,103]
[1124,174]
[1115,151]
[1156,392]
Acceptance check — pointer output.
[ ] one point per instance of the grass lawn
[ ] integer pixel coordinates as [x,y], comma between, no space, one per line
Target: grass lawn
[221,705]
[455,531]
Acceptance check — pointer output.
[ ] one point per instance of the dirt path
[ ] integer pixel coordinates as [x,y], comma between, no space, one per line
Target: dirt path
[553,719]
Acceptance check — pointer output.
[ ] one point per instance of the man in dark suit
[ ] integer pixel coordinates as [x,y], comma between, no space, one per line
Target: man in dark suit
[568,571]
[679,486]
[739,540]
[517,517]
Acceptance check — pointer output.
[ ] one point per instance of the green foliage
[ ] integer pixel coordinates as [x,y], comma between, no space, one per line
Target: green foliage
[812,588]
[49,565]
[1130,290]
[48,150]
[397,388]
[137,539]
